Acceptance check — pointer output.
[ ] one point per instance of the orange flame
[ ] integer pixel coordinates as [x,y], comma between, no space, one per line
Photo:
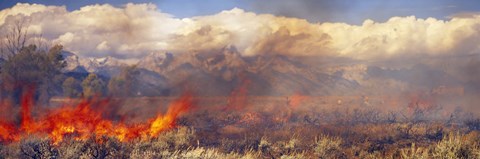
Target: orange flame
[238,97]
[421,101]
[8,132]
[82,122]
[167,121]
[26,104]
[295,100]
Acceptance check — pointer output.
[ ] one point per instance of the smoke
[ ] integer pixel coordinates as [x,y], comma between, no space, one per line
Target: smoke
[311,10]
[135,30]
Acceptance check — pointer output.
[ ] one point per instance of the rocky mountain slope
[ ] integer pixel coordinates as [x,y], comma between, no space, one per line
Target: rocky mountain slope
[222,72]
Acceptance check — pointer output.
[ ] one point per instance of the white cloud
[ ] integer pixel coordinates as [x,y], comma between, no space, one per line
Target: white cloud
[23,8]
[103,46]
[135,30]
[66,38]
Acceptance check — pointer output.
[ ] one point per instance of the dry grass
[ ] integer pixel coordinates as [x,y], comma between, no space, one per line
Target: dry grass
[184,142]
[307,132]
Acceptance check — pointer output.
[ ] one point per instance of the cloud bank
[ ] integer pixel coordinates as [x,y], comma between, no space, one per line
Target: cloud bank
[135,30]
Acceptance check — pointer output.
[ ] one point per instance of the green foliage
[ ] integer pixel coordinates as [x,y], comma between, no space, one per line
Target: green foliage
[34,67]
[71,87]
[93,85]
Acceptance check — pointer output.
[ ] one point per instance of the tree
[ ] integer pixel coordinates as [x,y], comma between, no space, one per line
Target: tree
[16,37]
[34,68]
[92,85]
[25,64]
[115,86]
[122,85]
[71,87]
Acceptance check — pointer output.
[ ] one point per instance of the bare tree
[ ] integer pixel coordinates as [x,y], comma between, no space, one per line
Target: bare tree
[40,42]
[16,37]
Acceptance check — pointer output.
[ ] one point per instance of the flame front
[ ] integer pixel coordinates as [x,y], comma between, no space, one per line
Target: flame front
[167,121]
[82,122]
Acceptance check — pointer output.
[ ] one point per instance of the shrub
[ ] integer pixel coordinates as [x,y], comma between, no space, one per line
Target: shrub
[294,156]
[328,147]
[473,124]
[291,145]
[414,152]
[103,147]
[453,146]
[201,153]
[71,149]
[264,145]
[180,138]
[434,133]
[35,147]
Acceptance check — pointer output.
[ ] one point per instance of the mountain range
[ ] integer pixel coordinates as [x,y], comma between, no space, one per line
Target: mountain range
[222,72]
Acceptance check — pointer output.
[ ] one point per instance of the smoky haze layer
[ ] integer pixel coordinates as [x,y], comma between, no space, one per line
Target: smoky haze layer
[215,54]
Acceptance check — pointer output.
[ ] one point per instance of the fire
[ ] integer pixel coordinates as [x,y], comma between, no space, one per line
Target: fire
[167,121]
[421,101]
[7,132]
[82,122]
[295,100]
[238,97]
[26,103]
[251,118]
[6,127]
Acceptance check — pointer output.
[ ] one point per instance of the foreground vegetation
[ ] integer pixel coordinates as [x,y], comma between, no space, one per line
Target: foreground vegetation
[231,135]
[184,143]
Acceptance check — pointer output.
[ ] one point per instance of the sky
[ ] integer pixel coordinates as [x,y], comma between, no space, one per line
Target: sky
[354,29]
[348,11]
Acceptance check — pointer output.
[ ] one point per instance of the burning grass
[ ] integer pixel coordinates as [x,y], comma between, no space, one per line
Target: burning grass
[279,128]
[82,120]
